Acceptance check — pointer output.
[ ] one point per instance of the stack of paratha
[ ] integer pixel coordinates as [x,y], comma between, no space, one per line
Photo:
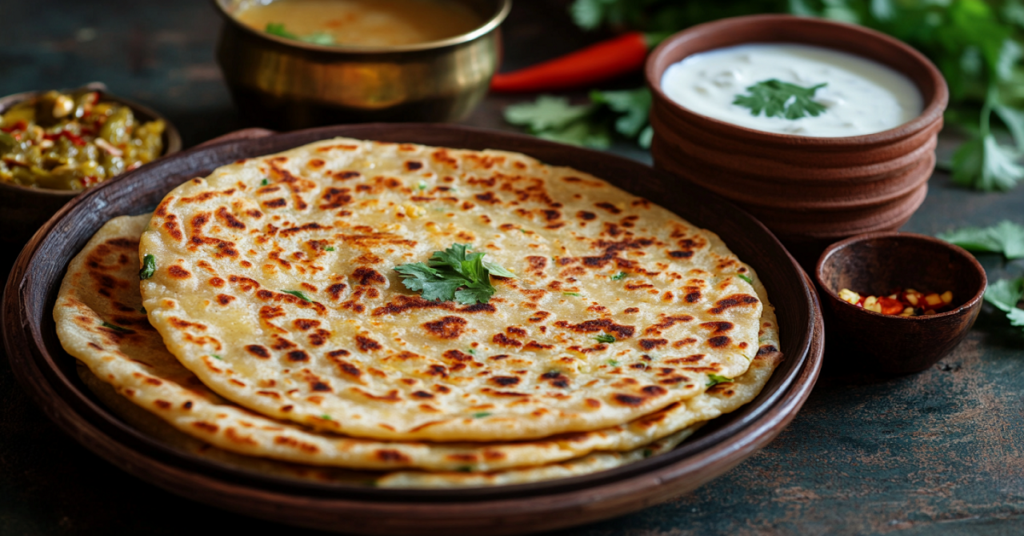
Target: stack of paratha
[273,332]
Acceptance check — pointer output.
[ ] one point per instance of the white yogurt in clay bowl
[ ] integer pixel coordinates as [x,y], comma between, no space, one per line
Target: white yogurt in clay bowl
[793,89]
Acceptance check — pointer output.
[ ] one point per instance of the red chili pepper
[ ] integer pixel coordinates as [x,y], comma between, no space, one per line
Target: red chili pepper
[71,137]
[598,62]
[20,125]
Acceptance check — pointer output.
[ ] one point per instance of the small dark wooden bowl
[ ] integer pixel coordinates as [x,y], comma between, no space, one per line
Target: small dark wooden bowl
[805,189]
[23,209]
[48,374]
[874,264]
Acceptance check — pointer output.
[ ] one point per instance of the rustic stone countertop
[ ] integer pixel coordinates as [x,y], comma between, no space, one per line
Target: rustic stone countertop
[940,452]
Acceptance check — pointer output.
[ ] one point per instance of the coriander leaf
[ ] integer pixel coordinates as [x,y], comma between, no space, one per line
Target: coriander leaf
[475,294]
[619,276]
[1014,121]
[585,133]
[264,182]
[588,14]
[326,417]
[985,165]
[781,99]
[715,379]
[452,274]
[547,112]
[745,278]
[882,10]
[1016,317]
[437,289]
[1005,293]
[1005,237]
[635,105]
[801,9]
[481,415]
[215,356]
[497,270]
[116,328]
[613,363]
[1013,11]
[605,338]
[298,294]
[417,270]
[329,248]
[148,266]
[277,28]
[575,294]
[645,137]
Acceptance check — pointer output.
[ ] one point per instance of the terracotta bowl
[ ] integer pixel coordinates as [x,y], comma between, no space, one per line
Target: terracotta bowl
[23,209]
[874,264]
[807,190]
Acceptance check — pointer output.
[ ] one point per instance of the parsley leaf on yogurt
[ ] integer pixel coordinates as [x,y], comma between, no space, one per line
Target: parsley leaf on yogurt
[781,99]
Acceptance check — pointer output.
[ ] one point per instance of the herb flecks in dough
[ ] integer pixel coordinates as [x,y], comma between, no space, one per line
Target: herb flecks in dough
[148,267]
[715,379]
[298,294]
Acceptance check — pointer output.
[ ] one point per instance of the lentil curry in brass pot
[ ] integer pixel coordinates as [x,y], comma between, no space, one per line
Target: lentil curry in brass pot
[301,63]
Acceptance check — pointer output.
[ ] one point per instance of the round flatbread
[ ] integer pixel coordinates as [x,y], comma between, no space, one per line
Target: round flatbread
[275,284]
[591,463]
[100,321]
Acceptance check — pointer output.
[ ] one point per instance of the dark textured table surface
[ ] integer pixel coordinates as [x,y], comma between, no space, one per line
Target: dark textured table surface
[940,452]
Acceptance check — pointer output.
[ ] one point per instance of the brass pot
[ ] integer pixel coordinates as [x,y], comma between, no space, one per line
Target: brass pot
[287,84]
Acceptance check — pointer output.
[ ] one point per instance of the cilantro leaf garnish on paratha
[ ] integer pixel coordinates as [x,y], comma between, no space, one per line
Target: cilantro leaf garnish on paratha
[453,274]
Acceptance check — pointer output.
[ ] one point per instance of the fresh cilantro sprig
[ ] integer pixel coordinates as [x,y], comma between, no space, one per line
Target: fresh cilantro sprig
[776,98]
[453,274]
[605,338]
[591,124]
[1005,295]
[1006,237]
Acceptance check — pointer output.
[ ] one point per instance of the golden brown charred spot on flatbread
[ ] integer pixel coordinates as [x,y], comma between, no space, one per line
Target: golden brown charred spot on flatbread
[555,378]
[293,443]
[594,326]
[720,341]
[504,381]
[366,344]
[650,344]
[641,396]
[297,356]
[447,327]
[735,300]
[401,304]
[717,327]
[258,351]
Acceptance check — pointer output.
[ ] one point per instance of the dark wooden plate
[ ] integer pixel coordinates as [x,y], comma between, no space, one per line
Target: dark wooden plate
[48,374]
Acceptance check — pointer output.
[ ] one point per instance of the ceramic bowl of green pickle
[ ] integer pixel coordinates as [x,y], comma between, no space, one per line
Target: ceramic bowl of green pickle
[56,144]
